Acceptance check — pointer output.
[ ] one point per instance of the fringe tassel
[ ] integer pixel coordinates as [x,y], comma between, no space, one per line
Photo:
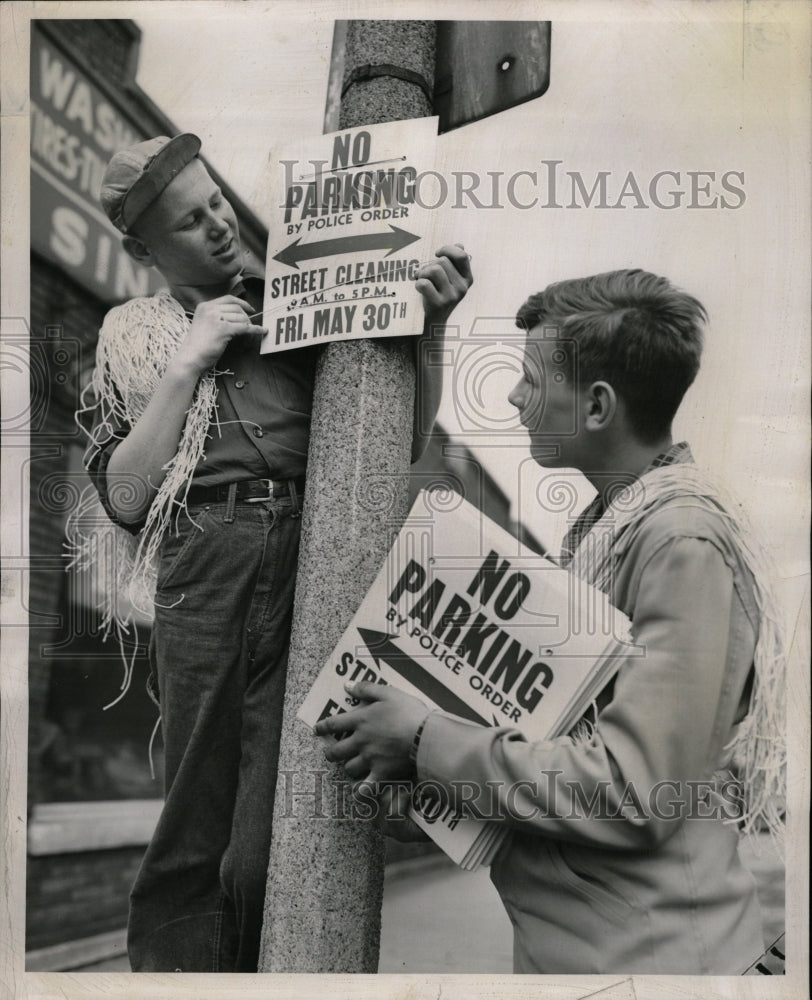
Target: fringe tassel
[151,744]
[758,747]
[585,728]
[136,343]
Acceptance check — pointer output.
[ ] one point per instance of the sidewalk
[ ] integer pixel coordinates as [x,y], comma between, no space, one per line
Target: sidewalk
[438,918]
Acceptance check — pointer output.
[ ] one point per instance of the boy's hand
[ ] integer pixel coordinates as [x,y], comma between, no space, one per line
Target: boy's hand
[444,283]
[215,323]
[377,737]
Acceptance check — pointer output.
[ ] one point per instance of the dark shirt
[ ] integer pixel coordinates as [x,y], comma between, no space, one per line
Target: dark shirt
[261,426]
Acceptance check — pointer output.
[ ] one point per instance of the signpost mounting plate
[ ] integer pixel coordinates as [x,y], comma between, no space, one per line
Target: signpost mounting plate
[484,67]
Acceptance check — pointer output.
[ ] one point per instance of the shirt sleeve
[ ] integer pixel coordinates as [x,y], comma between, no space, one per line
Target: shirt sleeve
[625,785]
[106,432]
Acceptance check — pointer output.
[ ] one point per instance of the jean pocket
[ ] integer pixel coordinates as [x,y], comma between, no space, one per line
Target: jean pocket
[176,546]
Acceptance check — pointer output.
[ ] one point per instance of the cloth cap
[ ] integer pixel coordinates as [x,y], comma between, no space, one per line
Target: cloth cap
[137,175]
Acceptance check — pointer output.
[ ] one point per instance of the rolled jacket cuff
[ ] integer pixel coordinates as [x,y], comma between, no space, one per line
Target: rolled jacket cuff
[442,742]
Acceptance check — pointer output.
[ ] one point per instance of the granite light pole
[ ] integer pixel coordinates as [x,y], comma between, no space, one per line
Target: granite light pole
[325,881]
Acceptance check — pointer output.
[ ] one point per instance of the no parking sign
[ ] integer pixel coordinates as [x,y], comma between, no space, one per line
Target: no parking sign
[350,229]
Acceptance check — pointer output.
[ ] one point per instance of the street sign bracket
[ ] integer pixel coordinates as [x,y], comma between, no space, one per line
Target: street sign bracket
[484,67]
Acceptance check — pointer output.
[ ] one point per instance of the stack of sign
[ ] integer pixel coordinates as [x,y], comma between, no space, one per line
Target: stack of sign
[467,619]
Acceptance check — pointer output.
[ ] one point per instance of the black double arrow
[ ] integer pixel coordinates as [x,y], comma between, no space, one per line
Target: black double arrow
[392,241]
[382,648]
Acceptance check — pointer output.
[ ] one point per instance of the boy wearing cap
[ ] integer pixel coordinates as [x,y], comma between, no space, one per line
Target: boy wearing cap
[198,450]
[623,849]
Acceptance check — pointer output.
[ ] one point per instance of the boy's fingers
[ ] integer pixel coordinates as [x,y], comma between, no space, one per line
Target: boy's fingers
[454,276]
[356,768]
[224,302]
[441,292]
[343,723]
[435,284]
[429,292]
[459,257]
[251,328]
[342,750]
[232,300]
[441,271]
[365,690]
[442,275]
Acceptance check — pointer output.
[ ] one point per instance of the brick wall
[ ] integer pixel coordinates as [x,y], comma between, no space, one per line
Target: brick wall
[105,47]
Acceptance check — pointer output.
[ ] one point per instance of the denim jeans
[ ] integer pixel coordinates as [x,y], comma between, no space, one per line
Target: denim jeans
[219,655]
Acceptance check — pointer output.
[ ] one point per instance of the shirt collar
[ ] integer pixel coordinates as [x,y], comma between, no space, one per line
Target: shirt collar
[675,455]
[592,513]
[251,274]
[252,270]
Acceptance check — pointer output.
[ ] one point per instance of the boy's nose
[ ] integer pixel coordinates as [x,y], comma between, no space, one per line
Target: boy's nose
[217,225]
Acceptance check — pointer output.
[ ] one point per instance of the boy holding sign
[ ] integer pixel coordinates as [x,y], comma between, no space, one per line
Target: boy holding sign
[623,856]
[198,450]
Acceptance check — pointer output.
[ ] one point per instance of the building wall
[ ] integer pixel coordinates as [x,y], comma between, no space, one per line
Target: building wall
[64,321]
[77,752]
[108,48]
[81,893]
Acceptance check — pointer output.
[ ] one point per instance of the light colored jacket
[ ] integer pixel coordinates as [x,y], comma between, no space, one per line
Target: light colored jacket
[650,881]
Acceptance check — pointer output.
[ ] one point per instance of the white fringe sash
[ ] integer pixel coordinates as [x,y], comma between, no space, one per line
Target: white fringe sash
[136,343]
[758,747]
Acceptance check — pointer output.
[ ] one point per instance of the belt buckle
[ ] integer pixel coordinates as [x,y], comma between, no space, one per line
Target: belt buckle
[262,499]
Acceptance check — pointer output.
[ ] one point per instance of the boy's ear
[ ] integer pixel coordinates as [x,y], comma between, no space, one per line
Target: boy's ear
[138,250]
[601,405]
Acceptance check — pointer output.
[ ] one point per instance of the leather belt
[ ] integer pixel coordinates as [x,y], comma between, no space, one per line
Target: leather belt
[251,490]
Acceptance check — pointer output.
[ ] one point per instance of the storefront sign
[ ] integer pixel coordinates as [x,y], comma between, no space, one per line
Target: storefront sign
[74,132]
